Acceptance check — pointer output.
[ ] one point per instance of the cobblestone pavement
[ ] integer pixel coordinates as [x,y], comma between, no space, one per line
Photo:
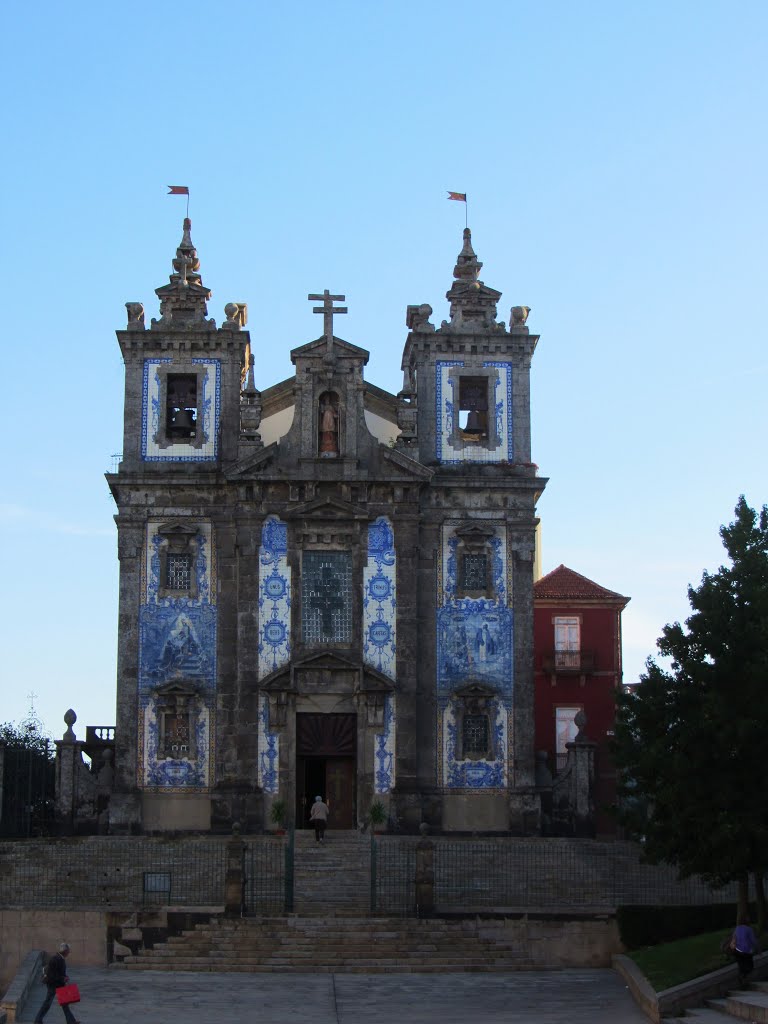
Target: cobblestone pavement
[574,996]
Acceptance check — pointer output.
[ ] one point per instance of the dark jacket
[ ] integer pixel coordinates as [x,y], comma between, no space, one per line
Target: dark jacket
[56,971]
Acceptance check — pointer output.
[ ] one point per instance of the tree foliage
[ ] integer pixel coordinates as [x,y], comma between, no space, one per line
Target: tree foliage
[28,782]
[691,739]
[25,739]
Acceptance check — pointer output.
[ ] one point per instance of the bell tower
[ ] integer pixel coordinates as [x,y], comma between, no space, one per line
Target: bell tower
[184,420]
[465,410]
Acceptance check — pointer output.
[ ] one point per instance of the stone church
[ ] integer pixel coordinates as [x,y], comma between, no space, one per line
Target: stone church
[325,588]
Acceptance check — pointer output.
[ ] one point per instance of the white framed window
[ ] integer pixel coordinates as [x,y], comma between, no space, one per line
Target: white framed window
[567,641]
[566,731]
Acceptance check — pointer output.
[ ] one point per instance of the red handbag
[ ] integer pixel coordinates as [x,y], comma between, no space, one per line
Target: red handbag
[68,994]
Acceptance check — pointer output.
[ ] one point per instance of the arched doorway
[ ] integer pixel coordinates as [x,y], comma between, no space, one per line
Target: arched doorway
[326,748]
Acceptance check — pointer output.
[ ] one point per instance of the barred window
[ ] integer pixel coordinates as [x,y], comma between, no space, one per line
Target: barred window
[326,597]
[474,572]
[475,738]
[178,572]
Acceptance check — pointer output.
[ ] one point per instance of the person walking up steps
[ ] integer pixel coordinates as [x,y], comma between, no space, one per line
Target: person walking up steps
[55,976]
[743,946]
[319,818]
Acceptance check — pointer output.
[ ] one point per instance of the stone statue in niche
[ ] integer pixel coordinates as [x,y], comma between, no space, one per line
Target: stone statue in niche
[329,426]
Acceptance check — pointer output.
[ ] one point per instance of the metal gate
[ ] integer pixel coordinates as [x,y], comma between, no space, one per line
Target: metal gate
[28,786]
[268,875]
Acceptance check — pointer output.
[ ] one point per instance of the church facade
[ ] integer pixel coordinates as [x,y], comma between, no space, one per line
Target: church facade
[325,588]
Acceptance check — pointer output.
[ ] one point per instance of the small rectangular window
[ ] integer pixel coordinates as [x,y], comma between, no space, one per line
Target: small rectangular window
[178,572]
[566,731]
[475,739]
[474,572]
[176,735]
[181,407]
[567,642]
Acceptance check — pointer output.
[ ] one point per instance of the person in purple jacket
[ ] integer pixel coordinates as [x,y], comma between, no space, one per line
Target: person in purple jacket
[744,945]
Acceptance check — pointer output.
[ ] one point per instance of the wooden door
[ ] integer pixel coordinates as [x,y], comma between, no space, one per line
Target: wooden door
[340,791]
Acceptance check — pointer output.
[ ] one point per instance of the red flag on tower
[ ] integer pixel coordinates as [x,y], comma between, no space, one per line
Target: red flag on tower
[177,190]
[461,196]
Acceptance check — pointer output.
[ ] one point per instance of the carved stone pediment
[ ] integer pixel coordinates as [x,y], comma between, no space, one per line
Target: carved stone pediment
[340,347]
[374,681]
[177,688]
[325,672]
[329,659]
[254,464]
[177,528]
[475,691]
[326,509]
[475,532]
[405,464]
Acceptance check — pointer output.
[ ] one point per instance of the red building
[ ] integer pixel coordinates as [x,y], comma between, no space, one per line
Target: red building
[577,647]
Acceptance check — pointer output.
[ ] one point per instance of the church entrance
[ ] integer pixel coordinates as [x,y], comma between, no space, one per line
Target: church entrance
[326,747]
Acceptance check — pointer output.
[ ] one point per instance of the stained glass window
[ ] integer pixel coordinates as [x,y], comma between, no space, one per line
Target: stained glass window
[178,572]
[475,572]
[475,734]
[326,597]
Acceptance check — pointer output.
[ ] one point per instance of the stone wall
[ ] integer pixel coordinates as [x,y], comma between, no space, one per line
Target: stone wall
[23,930]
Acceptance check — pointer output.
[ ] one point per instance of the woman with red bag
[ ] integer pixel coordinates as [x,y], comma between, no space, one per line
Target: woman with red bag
[55,977]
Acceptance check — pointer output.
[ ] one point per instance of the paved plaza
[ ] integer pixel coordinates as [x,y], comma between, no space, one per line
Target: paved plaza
[575,996]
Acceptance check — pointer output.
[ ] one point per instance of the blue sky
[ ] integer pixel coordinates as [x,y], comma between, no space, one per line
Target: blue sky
[614,156]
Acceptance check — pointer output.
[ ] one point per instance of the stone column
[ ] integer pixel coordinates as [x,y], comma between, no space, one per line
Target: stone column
[68,753]
[425,874]
[582,786]
[125,805]
[408,741]
[525,803]
[234,880]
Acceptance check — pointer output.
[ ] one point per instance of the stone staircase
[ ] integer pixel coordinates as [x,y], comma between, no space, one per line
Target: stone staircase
[297,944]
[332,878]
[749,1004]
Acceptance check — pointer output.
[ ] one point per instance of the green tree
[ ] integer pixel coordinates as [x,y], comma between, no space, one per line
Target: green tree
[691,739]
[27,781]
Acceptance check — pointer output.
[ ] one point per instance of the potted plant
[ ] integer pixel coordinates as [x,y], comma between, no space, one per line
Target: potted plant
[377,815]
[277,815]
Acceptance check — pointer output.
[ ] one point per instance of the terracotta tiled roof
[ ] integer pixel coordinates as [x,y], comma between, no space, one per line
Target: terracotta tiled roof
[563,584]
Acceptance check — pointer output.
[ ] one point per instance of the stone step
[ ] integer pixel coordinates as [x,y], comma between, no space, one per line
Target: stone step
[746,1004]
[311,944]
[405,967]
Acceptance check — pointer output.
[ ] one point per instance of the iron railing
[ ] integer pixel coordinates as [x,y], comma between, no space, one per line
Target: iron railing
[569,661]
[268,875]
[469,874]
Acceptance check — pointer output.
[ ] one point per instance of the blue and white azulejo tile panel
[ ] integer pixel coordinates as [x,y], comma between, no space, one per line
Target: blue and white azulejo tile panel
[384,750]
[502,591]
[474,646]
[474,635]
[463,773]
[274,597]
[447,416]
[177,645]
[204,568]
[380,599]
[269,751]
[178,774]
[152,415]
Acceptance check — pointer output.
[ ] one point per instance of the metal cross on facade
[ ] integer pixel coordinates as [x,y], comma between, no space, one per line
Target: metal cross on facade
[327,309]
[327,598]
